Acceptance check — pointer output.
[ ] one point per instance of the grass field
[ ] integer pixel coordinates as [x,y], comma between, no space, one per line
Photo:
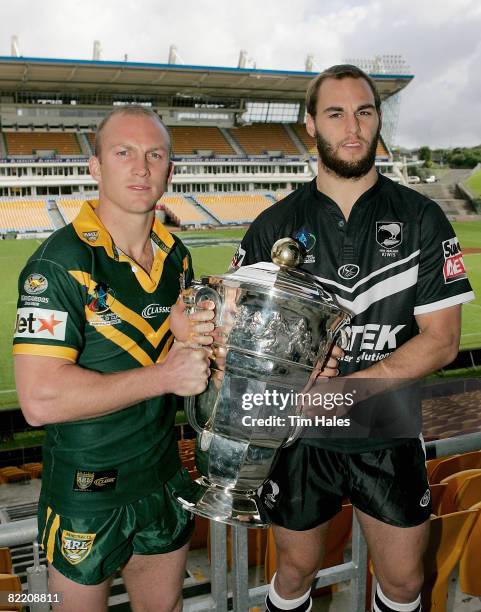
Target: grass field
[474,183]
[208,259]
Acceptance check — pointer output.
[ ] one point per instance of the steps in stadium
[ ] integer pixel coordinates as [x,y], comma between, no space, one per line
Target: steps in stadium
[232,141]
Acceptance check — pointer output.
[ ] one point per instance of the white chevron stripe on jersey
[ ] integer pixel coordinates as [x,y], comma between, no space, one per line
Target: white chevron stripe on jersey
[383,289]
[395,264]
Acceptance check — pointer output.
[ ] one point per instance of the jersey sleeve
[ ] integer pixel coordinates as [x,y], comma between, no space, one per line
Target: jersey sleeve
[50,317]
[442,278]
[254,247]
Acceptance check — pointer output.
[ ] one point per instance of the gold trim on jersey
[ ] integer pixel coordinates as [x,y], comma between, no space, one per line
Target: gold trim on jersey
[120,339]
[165,350]
[44,350]
[90,229]
[155,337]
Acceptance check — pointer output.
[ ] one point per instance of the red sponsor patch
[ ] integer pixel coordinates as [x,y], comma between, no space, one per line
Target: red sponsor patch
[453,268]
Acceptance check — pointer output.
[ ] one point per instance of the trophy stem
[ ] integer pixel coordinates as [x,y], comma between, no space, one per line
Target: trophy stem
[225,505]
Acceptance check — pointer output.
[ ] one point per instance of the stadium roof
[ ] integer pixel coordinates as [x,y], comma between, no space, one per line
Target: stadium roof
[66,75]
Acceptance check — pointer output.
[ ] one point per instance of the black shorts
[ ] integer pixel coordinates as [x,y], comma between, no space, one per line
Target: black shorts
[308,485]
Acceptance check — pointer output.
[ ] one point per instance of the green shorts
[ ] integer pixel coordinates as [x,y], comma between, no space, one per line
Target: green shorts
[89,550]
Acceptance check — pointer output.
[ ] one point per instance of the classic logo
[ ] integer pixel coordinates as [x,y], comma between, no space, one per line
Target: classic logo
[91,236]
[41,323]
[152,310]
[425,499]
[453,268]
[98,301]
[35,284]
[237,259]
[348,271]
[76,546]
[389,234]
[306,238]
[84,479]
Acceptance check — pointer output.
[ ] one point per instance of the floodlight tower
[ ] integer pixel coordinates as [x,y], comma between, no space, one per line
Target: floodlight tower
[97,50]
[14,47]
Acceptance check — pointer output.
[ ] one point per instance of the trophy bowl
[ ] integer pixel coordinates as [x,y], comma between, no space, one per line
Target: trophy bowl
[273,324]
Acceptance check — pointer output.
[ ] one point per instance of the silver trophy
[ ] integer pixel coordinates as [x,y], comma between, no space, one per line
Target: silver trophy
[274,324]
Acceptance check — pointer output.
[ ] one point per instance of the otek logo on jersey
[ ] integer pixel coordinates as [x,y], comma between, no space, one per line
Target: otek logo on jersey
[41,323]
[238,258]
[453,268]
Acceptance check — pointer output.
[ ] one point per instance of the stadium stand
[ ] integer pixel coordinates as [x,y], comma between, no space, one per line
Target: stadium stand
[259,138]
[189,140]
[24,215]
[26,143]
[182,211]
[70,207]
[234,208]
[91,140]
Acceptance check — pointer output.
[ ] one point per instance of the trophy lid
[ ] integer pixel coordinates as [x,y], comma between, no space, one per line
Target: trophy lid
[280,277]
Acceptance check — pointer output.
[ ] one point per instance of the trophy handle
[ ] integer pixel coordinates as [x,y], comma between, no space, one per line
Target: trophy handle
[189,409]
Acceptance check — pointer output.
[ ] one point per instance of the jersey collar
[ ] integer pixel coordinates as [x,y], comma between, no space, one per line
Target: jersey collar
[362,200]
[90,229]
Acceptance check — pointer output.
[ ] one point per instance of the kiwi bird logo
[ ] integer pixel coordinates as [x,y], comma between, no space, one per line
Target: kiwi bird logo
[388,235]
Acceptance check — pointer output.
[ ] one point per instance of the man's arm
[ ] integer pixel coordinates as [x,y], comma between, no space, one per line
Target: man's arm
[54,390]
[435,346]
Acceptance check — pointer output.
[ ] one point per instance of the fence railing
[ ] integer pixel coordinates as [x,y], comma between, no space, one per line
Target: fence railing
[243,597]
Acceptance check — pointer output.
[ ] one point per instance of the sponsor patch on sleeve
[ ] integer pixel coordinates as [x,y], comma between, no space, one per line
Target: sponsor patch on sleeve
[453,268]
[41,324]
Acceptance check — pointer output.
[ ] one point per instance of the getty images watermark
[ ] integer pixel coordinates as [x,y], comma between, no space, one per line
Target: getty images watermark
[302,403]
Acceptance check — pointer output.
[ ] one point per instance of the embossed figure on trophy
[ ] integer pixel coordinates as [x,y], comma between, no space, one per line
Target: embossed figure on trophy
[274,334]
[300,343]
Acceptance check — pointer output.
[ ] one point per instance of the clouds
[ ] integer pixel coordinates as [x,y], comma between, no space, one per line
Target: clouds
[440,42]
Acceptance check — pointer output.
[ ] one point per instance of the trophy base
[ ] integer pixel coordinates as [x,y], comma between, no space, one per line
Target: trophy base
[237,508]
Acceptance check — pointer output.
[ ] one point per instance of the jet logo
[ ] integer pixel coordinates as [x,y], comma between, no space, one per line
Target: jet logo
[40,323]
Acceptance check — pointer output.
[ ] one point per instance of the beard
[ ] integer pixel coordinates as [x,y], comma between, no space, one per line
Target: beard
[340,167]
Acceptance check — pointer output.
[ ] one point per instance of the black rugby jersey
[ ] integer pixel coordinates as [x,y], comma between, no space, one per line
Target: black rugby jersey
[396,257]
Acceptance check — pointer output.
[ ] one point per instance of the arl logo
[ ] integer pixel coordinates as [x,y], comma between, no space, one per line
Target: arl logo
[76,546]
[84,479]
[453,269]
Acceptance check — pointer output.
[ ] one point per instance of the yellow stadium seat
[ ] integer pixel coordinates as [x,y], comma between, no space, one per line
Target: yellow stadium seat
[189,139]
[447,539]
[258,138]
[469,493]
[5,561]
[454,483]
[26,143]
[455,464]
[11,584]
[469,566]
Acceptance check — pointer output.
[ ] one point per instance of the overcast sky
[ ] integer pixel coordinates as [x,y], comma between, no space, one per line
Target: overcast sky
[439,39]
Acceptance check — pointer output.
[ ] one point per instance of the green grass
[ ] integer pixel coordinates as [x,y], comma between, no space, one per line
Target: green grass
[474,183]
[207,260]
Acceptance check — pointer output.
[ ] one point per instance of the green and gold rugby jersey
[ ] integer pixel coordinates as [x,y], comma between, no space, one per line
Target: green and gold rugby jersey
[81,299]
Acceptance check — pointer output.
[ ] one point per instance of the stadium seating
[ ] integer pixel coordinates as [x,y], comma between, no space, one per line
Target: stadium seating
[10,584]
[26,143]
[24,215]
[454,485]
[182,211]
[13,474]
[34,469]
[234,208]
[70,207]
[447,539]
[5,561]
[451,465]
[190,139]
[259,138]
[91,140]
[469,574]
